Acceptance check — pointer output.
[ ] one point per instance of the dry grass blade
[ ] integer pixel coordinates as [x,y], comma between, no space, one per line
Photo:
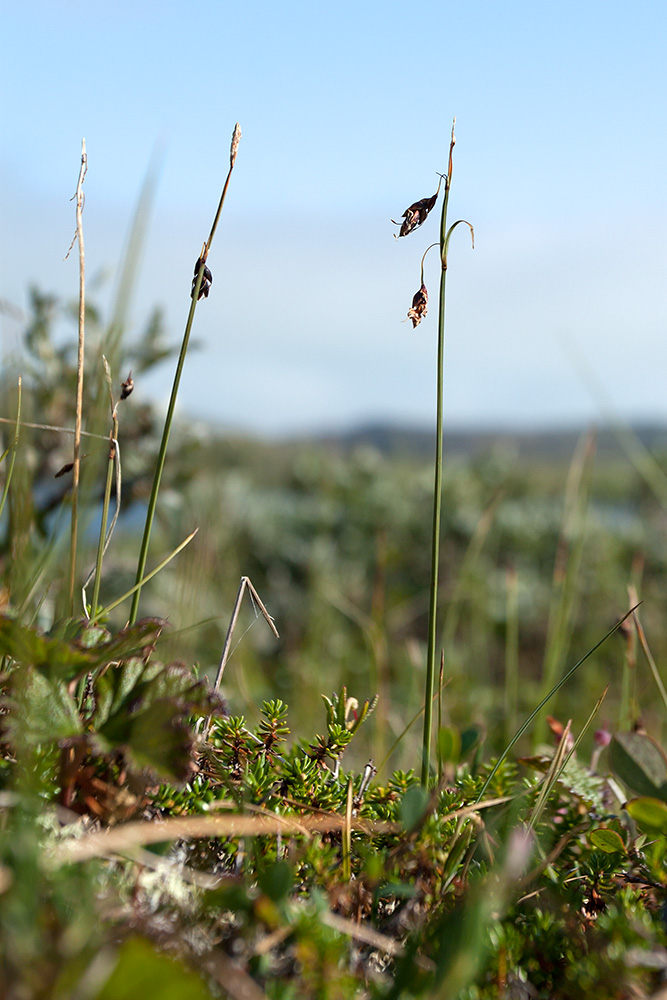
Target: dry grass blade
[121,839]
[555,768]
[149,576]
[346,841]
[79,370]
[563,754]
[244,585]
[360,932]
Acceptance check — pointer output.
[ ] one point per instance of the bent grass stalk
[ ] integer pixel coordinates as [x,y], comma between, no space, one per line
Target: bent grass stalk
[105,536]
[79,373]
[92,614]
[159,466]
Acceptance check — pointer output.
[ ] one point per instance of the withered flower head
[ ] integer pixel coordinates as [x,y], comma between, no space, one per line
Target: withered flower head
[126,387]
[418,309]
[414,216]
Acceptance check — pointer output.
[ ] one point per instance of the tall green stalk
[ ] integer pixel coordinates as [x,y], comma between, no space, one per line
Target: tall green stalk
[445,236]
[199,288]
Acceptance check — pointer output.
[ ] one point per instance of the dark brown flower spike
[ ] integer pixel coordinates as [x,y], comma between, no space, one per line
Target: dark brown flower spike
[66,468]
[414,216]
[418,309]
[206,283]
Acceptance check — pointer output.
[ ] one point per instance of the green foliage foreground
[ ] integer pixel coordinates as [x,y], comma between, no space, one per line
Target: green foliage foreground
[139,858]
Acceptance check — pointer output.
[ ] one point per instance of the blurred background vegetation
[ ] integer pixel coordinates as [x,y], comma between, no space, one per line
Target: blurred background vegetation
[543,535]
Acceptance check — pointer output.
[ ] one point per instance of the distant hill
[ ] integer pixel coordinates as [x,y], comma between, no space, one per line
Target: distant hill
[549,444]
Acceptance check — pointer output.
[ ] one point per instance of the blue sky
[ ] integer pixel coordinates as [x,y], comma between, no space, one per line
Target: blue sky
[346,112]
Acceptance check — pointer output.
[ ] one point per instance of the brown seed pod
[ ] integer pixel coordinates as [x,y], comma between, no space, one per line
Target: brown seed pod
[127,387]
[418,309]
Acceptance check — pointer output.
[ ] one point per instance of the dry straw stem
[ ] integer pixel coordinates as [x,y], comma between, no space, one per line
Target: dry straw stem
[120,839]
[234,148]
[346,839]
[105,535]
[79,369]
[244,585]
[124,838]
[53,427]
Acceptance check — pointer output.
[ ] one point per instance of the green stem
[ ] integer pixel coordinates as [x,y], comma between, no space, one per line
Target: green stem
[437,490]
[162,454]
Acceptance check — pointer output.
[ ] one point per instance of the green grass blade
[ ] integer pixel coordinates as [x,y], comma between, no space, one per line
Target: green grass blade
[536,711]
[12,448]
[149,576]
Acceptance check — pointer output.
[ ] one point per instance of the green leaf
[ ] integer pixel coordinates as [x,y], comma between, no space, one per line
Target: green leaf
[40,710]
[140,971]
[142,709]
[470,738]
[399,890]
[640,762]
[449,744]
[413,806]
[607,841]
[276,882]
[53,657]
[649,814]
[92,636]
[135,640]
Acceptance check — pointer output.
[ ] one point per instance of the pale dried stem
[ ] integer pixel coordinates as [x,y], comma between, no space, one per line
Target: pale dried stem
[244,585]
[79,372]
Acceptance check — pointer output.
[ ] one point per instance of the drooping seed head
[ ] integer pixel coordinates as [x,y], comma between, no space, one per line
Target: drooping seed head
[416,214]
[418,309]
